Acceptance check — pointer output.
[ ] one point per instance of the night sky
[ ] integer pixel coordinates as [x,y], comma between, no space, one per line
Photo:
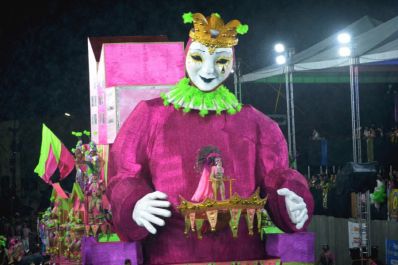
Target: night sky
[44,64]
[44,43]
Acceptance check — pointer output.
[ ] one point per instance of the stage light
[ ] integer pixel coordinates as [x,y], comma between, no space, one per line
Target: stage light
[344,38]
[279,47]
[280,59]
[67,114]
[344,51]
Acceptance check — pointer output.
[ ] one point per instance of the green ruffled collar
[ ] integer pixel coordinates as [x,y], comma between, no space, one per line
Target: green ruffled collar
[187,97]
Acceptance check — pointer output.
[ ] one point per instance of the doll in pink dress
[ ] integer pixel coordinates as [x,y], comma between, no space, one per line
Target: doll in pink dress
[209,159]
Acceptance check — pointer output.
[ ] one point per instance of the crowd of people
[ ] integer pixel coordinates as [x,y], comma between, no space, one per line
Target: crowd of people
[19,240]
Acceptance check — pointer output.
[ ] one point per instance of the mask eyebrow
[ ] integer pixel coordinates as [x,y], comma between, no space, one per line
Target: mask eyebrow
[223,52]
[196,50]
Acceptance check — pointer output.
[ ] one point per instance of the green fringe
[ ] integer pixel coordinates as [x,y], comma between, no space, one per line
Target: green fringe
[231,111]
[185,96]
[203,112]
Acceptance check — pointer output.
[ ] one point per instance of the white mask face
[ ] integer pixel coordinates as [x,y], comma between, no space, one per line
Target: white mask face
[207,71]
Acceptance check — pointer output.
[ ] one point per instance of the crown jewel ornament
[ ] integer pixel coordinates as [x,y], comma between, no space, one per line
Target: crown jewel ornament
[212,32]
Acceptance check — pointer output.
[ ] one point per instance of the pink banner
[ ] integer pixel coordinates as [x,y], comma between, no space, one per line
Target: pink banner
[66,162]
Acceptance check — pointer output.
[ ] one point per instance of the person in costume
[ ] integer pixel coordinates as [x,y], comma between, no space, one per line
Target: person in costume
[152,161]
[95,191]
[80,165]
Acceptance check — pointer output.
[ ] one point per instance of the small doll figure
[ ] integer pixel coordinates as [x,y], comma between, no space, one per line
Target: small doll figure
[217,178]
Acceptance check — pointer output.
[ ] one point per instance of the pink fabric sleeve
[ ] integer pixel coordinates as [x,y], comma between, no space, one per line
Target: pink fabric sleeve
[128,172]
[273,167]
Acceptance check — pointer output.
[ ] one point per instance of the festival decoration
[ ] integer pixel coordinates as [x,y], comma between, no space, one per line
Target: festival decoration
[53,155]
[212,31]
[79,213]
[154,165]
[186,97]
[233,207]
[205,205]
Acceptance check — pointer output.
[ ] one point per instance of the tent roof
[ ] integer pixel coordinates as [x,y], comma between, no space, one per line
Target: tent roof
[338,76]
[374,42]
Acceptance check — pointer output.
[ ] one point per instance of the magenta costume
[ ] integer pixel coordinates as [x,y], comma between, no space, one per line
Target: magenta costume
[156,150]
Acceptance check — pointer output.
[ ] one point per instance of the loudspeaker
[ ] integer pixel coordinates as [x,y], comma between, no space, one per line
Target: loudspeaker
[357,177]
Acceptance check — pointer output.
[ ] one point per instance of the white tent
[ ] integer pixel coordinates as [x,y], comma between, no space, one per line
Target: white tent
[372,42]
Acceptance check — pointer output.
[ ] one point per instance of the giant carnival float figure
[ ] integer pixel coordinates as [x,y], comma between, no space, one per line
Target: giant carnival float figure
[152,161]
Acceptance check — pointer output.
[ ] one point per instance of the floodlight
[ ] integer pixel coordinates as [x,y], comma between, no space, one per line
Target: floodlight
[344,51]
[279,47]
[280,59]
[344,38]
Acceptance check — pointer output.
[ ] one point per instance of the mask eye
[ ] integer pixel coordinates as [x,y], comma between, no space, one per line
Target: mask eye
[196,57]
[222,61]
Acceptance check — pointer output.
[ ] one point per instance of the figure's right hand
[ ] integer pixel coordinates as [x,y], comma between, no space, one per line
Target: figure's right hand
[149,210]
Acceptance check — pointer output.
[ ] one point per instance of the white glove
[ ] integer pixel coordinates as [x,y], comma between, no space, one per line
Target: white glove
[295,206]
[146,209]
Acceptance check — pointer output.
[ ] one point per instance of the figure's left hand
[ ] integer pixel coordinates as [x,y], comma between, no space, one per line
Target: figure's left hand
[295,206]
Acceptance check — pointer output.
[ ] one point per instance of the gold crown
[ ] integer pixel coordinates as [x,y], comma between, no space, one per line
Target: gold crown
[212,32]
